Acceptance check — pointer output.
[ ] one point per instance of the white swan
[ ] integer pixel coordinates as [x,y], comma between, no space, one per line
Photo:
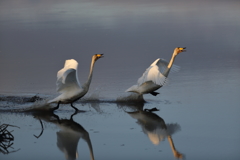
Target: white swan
[68,84]
[155,76]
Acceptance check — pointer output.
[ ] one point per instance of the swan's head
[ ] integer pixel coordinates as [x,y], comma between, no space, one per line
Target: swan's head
[179,50]
[97,56]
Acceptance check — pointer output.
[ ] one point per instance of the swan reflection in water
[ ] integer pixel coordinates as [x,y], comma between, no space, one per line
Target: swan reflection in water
[69,134]
[155,127]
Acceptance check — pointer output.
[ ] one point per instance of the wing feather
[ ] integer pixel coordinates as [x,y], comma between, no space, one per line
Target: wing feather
[68,77]
[155,72]
[162,64]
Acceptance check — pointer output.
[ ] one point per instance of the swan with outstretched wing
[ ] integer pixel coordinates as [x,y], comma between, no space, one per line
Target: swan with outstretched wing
[68,84]
[155,75]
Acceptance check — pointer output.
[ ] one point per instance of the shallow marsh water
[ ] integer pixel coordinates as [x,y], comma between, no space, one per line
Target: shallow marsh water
[199,105]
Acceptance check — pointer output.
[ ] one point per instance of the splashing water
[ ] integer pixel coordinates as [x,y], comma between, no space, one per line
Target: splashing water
[131,97]
[93,96]
[23,104]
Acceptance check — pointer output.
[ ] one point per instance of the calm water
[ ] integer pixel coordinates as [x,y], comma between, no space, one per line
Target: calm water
[198,108]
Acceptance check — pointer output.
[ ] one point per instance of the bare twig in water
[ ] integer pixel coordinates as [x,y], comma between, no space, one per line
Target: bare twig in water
[42,129]
[6,139]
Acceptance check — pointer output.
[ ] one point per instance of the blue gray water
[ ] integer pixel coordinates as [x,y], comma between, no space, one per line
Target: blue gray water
[198,108]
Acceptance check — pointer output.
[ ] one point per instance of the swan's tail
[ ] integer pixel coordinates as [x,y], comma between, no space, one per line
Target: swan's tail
[132,89]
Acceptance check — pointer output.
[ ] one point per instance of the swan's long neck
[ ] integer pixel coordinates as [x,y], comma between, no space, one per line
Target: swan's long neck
[170,64]
[87,139]
[87,84]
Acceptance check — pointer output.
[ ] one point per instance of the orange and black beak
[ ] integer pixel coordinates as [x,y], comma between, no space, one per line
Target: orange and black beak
[99,55]
[182,49]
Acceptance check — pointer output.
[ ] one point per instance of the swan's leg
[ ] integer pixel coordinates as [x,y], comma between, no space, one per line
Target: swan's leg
[76,112]
[151,110]
[56,116]
[56,106]
[74,107]
[154,93]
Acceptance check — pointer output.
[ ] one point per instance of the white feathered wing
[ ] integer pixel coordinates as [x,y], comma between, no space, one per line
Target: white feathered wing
[153,74]
[67,82]
[67,78]
[153,77]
